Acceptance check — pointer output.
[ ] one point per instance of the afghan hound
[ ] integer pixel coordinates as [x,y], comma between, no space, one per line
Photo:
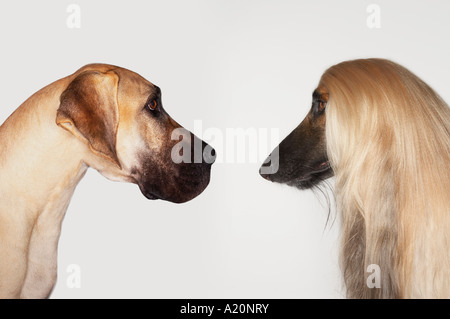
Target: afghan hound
[385,136]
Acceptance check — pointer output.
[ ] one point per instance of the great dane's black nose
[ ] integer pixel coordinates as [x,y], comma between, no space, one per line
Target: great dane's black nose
[205,155]
[209,153]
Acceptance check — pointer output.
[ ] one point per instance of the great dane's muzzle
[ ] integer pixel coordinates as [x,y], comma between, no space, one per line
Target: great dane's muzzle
[181,172]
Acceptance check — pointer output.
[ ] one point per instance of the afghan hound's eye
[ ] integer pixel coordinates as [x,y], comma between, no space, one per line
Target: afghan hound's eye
[321,106]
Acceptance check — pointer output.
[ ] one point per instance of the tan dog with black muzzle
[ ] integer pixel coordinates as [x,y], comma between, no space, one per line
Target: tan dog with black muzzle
[104,117]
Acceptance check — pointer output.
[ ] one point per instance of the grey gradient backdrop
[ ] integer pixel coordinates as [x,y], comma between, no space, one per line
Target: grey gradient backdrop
[230,64]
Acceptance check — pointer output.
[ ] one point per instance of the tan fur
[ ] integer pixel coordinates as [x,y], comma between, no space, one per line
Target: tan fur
[40,165]
[388,141]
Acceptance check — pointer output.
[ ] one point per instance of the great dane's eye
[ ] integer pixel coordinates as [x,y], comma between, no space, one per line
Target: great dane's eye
[152,105]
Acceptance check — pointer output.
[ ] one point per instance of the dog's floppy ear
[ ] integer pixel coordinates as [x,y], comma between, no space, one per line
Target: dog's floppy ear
[89,110]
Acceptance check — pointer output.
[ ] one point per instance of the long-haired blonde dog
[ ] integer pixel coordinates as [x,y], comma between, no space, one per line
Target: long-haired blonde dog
[385,135]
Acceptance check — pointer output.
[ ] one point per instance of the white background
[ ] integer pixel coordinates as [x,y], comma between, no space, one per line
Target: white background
[231,64]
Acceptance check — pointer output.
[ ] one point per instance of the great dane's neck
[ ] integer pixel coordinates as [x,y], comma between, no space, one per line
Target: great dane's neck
[34,151]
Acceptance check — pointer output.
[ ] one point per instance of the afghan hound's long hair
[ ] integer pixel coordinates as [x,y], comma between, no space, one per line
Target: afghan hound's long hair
[388,142]
[387,139]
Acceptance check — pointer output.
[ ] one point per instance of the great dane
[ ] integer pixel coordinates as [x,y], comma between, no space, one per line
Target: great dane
[104,117]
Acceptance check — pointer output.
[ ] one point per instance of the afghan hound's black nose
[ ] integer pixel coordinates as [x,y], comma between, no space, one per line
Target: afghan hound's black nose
[270,166]
[264,175]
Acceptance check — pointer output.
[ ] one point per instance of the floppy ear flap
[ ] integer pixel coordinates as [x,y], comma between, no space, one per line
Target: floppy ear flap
[89,110]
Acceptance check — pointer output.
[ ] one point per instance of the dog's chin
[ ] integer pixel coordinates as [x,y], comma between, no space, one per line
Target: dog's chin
[302,179]
[313,178]
[180,192]
[310,181]
[149,195]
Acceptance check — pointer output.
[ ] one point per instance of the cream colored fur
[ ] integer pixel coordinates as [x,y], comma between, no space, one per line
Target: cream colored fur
[41,163]
[388,140]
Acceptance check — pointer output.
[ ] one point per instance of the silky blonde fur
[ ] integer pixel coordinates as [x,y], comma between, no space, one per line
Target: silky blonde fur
[388,141]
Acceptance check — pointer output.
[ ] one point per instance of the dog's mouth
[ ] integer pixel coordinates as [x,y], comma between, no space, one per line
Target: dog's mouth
[175,189]
[151,196]
[149,192]
[303,177]
[324,166]
[311,178]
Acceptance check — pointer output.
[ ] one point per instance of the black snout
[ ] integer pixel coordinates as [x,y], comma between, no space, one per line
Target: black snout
[270,167]
[180,172]
[300,160]
[201,152]
[264,175]
[209,153]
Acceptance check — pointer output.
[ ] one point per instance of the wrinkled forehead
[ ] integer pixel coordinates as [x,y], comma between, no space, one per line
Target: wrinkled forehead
[133,88]
[132,94]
